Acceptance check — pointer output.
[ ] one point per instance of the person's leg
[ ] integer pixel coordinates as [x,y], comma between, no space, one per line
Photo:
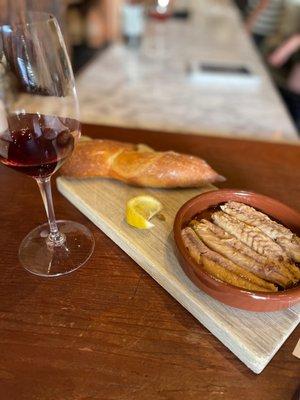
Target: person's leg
[258,39]
[292,101]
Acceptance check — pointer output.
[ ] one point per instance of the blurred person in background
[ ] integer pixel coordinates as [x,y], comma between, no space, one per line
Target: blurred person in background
[263,18]
[275,28]
[285,63]
[91,25]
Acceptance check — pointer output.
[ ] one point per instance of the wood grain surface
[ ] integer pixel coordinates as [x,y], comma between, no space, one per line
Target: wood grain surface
[253,337]
[109,331]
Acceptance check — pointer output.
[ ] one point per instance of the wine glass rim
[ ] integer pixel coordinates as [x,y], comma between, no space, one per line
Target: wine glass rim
[40,17]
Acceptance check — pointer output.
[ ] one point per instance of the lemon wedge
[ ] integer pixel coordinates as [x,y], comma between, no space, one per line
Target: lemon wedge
[140,209]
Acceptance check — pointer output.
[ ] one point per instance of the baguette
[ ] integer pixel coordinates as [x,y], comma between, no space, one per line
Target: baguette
[138,165]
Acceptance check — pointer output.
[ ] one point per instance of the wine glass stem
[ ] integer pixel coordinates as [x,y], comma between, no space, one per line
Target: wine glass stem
[55,238]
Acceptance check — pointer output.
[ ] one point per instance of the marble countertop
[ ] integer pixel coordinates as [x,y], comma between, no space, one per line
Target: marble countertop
[150,87]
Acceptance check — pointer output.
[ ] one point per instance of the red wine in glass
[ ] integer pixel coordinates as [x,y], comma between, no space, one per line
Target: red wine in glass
[37,145]
[39,128]
[161,10]
[159,16]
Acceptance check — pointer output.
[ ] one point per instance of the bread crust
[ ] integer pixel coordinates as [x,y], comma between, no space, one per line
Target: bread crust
[138,165]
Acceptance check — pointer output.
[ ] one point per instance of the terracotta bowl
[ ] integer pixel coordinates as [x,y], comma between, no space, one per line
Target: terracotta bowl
[224,292]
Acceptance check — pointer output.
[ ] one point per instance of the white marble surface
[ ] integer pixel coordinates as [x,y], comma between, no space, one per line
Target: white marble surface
[150,88]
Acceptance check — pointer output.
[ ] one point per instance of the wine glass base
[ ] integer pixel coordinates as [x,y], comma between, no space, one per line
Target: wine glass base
[37,257]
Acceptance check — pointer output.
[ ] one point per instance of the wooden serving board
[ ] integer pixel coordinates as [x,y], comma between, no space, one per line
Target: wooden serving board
[253,337]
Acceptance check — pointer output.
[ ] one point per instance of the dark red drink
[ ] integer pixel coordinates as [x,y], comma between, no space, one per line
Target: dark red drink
[37,145]
[161,16]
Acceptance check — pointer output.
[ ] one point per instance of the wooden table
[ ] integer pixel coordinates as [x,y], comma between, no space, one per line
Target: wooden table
[108,331]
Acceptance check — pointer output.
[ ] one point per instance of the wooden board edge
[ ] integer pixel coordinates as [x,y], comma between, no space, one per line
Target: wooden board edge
[240,351]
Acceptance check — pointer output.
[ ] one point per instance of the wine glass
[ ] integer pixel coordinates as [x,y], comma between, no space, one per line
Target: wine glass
[158,37]
[39,127]
[161,10]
